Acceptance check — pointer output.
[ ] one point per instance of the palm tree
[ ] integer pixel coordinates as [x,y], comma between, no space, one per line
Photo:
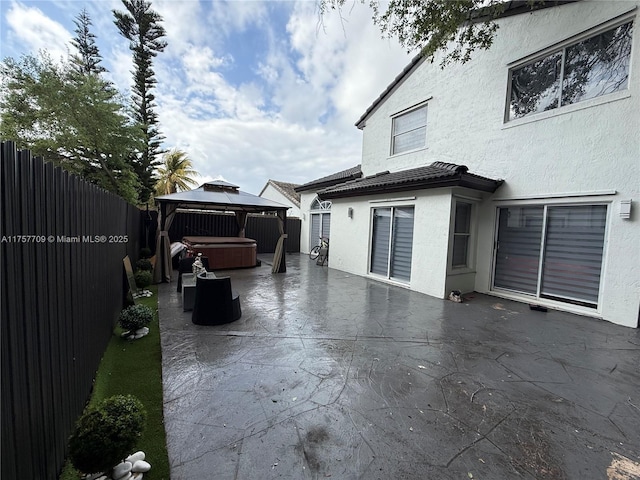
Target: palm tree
[175,173]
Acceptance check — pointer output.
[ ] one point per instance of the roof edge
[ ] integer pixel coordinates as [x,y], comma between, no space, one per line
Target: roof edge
[514,7]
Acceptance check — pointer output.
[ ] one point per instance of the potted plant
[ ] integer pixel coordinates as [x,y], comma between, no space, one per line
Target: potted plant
[143,278]
[134,320]
[106,434]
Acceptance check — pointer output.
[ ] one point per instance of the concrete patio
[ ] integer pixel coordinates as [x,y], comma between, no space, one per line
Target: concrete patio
[330,375]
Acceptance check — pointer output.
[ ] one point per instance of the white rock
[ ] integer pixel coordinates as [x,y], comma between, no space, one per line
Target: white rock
[137,476]
[134,457]
[138,335]
[127,476]
[124,334]
[121,470]
[144,331]
[141,466]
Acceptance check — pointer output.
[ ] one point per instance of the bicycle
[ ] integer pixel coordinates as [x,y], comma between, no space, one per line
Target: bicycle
[315,251]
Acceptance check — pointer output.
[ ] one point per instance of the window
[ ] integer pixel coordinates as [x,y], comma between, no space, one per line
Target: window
[392,242]
[409,131]
[552,251]
[595,66]
[461,235]
[320,221]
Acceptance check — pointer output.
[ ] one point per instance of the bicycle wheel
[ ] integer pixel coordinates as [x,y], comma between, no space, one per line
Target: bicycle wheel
[315,251]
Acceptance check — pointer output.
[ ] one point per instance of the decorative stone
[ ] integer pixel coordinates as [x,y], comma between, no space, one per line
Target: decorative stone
[134,457]
[137,476]
[142,331]
[141,466]
[121,470]
[125,334]
[138,335]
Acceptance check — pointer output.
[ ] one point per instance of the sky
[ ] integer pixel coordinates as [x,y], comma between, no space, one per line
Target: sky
[250,90]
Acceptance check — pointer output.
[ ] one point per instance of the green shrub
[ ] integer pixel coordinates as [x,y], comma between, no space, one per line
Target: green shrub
[135,317]
[106,434]
[145,252]
[143,278]
[144,264]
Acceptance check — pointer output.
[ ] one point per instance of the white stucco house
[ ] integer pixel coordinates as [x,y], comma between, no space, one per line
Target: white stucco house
[516,174]
[284,193]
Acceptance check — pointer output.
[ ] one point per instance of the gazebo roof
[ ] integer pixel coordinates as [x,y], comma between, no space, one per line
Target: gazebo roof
[220,195]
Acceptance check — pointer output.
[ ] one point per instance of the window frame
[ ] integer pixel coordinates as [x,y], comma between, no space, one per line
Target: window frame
[388,276]
[401,114]
[561,47]
[468,235]
[564,302]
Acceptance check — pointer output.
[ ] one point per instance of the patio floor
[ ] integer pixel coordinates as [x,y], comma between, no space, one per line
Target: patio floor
[331,375]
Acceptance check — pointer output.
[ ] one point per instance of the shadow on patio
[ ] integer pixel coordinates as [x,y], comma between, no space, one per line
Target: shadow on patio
[333,375]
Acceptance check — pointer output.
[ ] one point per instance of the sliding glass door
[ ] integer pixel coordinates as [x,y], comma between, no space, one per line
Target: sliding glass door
[392,242]
[551,252]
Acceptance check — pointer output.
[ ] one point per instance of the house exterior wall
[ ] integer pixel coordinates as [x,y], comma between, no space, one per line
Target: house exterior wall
[588,152]
[271,193]
[306,198]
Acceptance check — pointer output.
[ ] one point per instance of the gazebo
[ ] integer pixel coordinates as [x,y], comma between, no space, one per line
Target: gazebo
[214,196]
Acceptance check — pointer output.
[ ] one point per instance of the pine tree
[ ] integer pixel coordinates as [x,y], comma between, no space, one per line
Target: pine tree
[141,26]
[88,58]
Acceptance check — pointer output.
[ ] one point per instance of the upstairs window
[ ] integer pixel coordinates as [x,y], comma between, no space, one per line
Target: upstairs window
[594,66]
[409,131]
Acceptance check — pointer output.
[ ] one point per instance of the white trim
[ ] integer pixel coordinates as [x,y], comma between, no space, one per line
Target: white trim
[592,31]
[412,107]
[550,196]
[387,200]
[564,109]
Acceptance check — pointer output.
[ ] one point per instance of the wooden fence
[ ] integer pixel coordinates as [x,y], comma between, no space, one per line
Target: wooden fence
[62,242]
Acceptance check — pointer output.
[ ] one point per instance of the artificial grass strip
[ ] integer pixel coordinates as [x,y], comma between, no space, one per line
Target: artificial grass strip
[135,367]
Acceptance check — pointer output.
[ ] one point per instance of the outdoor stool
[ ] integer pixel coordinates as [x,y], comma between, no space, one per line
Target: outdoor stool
[215,302]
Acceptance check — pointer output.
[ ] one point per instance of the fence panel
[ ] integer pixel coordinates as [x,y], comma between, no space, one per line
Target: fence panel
[262,228]
[61,247]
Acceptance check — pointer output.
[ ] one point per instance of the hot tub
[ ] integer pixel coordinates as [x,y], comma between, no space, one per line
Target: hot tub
[224,252]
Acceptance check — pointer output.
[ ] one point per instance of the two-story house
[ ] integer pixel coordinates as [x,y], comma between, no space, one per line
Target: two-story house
[516,174]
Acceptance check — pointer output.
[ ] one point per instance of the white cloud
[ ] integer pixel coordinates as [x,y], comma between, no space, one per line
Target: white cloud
[36,31]
[250,90]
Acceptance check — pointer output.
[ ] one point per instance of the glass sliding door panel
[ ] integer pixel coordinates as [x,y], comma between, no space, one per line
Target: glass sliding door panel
[326,225]
[402,243]
[574,247]
[380,241]
[518,249]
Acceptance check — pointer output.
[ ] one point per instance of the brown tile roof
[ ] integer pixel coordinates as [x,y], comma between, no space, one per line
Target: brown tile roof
[438,174]
[333,179]
[286,189]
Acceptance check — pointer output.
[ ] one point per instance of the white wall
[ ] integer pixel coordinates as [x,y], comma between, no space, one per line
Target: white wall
[589,151]
[271,193]
[350,237]
[306,198]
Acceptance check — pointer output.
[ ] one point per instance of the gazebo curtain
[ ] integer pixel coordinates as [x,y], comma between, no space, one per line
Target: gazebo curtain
[162,268]
[241,220]
[279,263]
